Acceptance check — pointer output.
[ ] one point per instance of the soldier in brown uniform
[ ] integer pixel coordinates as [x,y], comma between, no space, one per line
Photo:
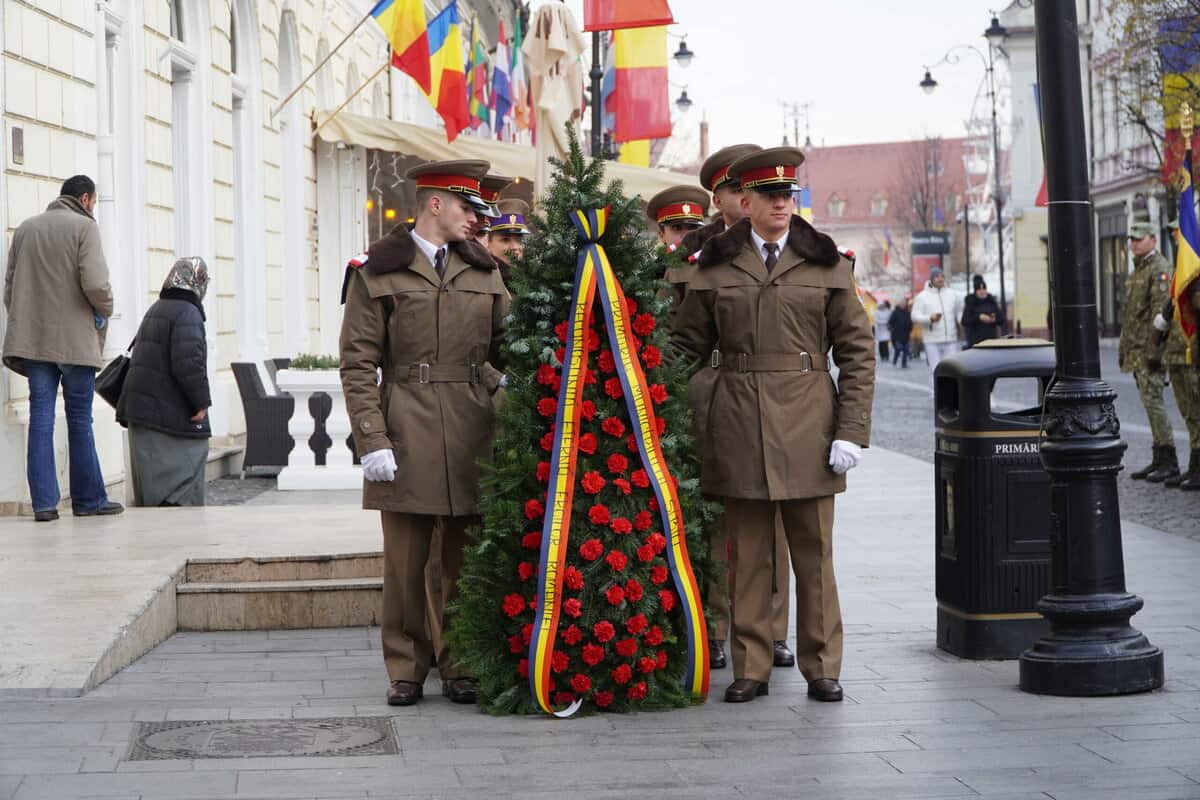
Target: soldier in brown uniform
[489,191]
[506,234]
[770,298]
[677,210]
[426,308]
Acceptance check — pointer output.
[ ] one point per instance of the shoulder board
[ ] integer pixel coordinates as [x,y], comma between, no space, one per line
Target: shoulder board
[358,261]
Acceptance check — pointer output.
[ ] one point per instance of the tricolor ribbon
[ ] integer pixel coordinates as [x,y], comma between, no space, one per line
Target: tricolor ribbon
[594,272]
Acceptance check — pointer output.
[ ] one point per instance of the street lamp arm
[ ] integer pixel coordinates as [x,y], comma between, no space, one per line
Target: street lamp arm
[952,56]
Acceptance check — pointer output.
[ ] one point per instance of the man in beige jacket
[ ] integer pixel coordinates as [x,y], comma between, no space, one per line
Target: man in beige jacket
[58,301]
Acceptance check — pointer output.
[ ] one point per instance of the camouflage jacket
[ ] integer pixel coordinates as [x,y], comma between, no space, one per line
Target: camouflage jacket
[1149,288]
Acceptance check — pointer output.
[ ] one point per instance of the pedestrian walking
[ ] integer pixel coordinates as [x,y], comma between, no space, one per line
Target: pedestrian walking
[426,308]
[900,328]
[883,335]
[937,310]
[1148,290]
[165,399]
[58,300]
[770,296]
[982,317]
[1185,382]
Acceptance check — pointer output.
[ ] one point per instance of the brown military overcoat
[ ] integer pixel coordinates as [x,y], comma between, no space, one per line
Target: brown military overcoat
[766,434]
[398,315]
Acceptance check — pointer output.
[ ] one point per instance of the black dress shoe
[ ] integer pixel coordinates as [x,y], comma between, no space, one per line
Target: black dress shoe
[49,515]
[716,654]
[783,656]
[460,690]
[404,693]
[827,690]
[106,510]
[743,690]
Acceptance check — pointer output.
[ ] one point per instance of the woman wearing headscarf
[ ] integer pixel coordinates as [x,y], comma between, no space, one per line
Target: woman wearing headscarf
[165,400]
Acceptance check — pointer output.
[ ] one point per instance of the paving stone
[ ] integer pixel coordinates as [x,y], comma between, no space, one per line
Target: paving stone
[964,759]
[1106,777]
[321,783]
[1134,733]
[1181,752]
[150,784]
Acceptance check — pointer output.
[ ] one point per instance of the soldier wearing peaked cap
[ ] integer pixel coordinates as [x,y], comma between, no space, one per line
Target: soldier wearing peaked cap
[426,308]
[770,299]
[489,191]
[508,229]
[677,210]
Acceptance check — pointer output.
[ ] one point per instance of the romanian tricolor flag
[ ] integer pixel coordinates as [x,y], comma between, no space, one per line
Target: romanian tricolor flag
[1187,253]
[1179,54]
[611,15]
[640,93]
[448,89]
[477,79]
[636,153]
[403,22]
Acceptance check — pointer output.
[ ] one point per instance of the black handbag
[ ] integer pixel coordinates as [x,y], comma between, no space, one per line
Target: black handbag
[111,380]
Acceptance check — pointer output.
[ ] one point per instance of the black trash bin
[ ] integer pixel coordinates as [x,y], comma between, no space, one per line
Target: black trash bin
[993,500]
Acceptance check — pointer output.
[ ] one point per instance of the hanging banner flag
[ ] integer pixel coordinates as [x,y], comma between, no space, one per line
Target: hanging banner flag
[520,87]
[501,99]
[1043,196]
[1179,55]
[448,89]
[636,153]
[641,94]
[403,22]
[1187,251]
[610,15]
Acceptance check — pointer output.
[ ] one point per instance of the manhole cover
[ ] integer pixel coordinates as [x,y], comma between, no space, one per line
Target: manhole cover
[330,736]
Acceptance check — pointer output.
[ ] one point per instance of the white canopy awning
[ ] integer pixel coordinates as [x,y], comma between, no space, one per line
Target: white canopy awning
[514,160]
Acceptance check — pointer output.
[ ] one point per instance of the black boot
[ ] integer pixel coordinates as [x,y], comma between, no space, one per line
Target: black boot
[1191,481]
[1168,466]
[1154,464]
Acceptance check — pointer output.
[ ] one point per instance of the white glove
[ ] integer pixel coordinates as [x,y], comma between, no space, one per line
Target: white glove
[1160,323]
[379,465]
[844,456]
[504,381]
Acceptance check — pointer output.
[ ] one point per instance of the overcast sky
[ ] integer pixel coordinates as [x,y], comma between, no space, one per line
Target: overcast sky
[857,62]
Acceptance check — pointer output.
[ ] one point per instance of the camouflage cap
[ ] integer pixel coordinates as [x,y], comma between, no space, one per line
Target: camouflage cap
[1140,230]
[1173,224]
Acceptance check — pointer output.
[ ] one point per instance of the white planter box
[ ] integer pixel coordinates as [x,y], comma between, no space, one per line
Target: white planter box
[339,471]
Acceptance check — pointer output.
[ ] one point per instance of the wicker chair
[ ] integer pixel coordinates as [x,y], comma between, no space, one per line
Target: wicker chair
[268,442]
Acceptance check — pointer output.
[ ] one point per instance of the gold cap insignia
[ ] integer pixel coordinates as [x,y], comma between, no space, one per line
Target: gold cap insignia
[512,219]
[779,171]
[687,208]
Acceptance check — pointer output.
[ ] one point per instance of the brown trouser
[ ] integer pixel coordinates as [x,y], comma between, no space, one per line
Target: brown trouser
[408,632]
[808,526]
[718,587]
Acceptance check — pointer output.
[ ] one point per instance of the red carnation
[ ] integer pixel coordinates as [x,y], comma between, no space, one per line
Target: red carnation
[636,624]
[514,643]
[588,443]
[603,699]
[643,324]
[622,485]
[527,632]
[581,683]
[593,340]
[526,570]
[587,410]
[637,691]
[615,595]
[563,698]
[633,590]
[622,674]
[654,636]
[559,661]
[612,388]
[621,525]
[626,647]
[666,598]
[513,604]
[617,560]
[651,356]
[572,635]
[591,549]
[599,515]
[593,654]
[604,631]
[658,575]
[647,664]
[545,375]
[592,482]
[561,354]
[631,306]
[662,659]
[547,406]
[534,508]
[640,478]
[617,463]
[646,553]
[658,393]
[532,540]
[652,504]
[573,579]
[543,471]
[657,541]
[547,443]
[613,427]
[572,607]
[631,443]
[642,521]
[560,330]
[589,377]
[660,426]
[606,362]
[523,668]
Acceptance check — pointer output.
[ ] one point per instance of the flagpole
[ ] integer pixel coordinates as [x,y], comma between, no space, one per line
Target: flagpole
[346,102]
[324,61]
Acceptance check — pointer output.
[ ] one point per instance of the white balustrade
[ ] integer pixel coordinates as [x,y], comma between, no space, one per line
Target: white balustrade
[302,472]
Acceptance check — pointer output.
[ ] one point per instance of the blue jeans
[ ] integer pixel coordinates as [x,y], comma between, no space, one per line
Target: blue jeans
[87,482]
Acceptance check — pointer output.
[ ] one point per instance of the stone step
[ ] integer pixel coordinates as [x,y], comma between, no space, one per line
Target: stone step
[278,604]
[223,459]
[284,568]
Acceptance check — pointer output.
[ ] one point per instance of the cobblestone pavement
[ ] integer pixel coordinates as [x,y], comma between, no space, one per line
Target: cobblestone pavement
[903,421]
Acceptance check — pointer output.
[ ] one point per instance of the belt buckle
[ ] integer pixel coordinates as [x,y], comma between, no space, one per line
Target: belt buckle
[742,362]
[423,372]
[807,358]
[714,360]
[474,373]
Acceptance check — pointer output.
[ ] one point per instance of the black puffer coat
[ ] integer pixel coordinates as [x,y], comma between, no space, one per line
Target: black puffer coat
[168,381]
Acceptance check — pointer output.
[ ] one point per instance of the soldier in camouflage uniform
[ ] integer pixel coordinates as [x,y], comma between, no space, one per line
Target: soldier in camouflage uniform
[1149,290]
[1185,380]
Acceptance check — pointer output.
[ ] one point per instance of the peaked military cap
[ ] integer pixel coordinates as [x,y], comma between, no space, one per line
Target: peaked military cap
[491,186]
[714,173]
[463,178]
[775,169]
[685,204]
[511,219]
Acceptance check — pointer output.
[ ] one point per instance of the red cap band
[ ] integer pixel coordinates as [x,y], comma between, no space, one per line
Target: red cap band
[489,195]
[719,177]
[767,175]
[451,183]
[675,212]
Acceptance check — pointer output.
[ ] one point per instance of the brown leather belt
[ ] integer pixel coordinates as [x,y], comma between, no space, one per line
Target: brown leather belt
[433,373]
[768,362]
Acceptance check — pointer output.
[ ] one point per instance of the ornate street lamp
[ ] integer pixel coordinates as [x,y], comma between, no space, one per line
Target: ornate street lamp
[683,56]
[683,102]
